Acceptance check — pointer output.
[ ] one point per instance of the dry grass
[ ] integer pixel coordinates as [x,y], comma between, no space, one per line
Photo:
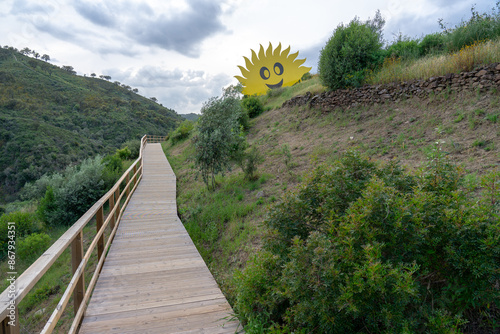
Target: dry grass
[466,59]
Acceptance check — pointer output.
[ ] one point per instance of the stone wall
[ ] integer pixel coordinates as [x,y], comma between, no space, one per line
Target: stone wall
[483,78]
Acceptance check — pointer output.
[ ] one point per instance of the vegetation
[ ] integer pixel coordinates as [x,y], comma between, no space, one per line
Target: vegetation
[218,136]
[51,118]
[361,248]
[353,245]
[351,52]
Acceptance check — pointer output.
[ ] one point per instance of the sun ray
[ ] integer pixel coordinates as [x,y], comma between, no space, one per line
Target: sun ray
[270,69]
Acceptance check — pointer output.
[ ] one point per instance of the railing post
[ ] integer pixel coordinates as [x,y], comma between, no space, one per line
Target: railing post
[111,206]
[117,204]
[99,220]
[128,186]
[135,176]
[5,328]
[76,258]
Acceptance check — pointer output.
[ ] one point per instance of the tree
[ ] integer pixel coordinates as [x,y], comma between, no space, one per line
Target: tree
[69,69]
[46,57]
[135,90]
[106,77]
[218,136]
[154,99]
[35,54]
[351,52]
[26,51]
[92,75]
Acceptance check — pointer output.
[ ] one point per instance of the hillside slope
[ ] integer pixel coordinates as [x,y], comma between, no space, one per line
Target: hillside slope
[50,118]
[226,224]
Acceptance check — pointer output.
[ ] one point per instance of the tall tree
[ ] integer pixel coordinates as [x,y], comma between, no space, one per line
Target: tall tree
[46,57]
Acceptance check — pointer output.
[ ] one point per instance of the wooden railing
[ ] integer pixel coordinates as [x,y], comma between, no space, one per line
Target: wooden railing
[117,200]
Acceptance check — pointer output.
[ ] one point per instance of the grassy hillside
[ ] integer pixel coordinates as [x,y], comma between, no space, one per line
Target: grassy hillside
[50,117]
[226,224]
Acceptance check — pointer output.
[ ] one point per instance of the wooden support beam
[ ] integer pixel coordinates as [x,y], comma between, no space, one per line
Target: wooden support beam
[111,206]
[128,180]
[6,328]
[76,258]
[99,220]
[117,203]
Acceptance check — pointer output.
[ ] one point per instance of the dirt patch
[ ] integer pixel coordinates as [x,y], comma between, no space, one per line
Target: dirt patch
[464,125]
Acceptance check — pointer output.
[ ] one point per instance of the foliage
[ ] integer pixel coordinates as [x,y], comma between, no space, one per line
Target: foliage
[50,119]
[251,160]
[218,136]
[351,52]
[253,106]
[404,47]
[33,246]
[25,224]
[365,249]
[182,131]
[432,44]
[70,194]
[134,145]
[479,27]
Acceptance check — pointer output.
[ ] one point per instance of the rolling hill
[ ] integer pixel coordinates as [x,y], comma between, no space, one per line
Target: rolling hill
[50,118]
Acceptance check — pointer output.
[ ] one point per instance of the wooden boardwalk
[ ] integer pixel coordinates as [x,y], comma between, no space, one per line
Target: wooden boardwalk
[153,279]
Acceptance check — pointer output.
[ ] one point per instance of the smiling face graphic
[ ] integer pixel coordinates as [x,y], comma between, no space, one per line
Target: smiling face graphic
[271,70]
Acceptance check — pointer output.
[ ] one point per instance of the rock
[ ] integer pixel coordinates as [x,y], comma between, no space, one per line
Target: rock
[40,312]
[260,194]
[481,73]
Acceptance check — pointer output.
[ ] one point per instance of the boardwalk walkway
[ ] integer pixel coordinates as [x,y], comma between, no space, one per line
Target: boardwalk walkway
[154,280]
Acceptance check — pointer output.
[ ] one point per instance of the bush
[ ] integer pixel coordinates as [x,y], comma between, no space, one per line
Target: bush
[182,131]
[33,246]
[432,44]
[25,224]
[480,27]
[124,153]
[363,249]
[70,195]
[253,106]
[134,147]
[404,47]
[351,52]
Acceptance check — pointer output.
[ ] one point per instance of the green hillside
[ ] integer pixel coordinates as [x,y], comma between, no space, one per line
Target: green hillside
[50,118]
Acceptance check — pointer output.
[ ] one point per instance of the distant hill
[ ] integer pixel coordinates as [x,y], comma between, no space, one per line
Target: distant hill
[191,117]
[50,117]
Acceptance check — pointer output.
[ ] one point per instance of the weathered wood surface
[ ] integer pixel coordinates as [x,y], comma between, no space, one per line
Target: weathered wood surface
[153,279]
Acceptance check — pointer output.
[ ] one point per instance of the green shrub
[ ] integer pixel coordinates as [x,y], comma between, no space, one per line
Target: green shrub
[479,27]
[182,131]
[134,147]
[351,53]
[253,106]
[364,249]
[33,246]
[251,160]
[432,44]
[70,195]
[404,47]
[124,153]
[25,224]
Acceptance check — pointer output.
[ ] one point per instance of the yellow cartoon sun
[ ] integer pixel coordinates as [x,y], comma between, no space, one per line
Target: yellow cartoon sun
[271,70]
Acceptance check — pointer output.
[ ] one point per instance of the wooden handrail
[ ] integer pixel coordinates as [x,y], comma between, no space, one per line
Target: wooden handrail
[73,236]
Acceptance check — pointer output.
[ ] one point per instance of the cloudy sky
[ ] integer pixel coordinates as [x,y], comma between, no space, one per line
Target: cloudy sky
[185,51]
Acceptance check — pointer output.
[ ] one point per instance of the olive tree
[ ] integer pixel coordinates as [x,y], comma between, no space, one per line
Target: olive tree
[218,135]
